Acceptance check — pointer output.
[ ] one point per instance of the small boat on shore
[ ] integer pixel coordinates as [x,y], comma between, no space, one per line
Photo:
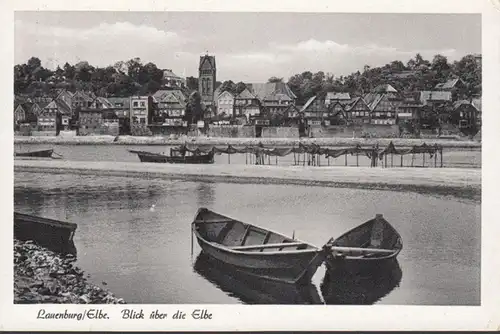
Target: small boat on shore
[37,154]
[53,234]
[175,157]
[256,251]
[365,248]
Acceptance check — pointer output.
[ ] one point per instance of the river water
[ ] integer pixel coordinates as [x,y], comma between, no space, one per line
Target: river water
[134,234]
[457,158]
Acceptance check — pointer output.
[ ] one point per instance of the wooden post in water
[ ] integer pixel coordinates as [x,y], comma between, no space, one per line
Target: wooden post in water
[423,159]
[435,157]
[276,160]
[269,159]
[328,160]
[441,154]
[345,156]
[392,159]
[294,159]
[228,158]
[385,158]
[246,158]
[401,160]
[357,159]
[412,158]
[304,160]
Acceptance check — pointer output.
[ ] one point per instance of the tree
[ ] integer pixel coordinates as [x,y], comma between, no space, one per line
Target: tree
[69,71]
[274,80]
[34,63]
[228,86]
[240,86]
[192,83]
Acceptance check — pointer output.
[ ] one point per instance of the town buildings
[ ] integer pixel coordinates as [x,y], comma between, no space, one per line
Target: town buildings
[168,110]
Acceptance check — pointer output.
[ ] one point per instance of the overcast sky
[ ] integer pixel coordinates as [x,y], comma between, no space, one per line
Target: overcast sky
[248,47]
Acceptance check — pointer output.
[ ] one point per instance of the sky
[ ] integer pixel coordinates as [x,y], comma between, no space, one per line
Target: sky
[249,47]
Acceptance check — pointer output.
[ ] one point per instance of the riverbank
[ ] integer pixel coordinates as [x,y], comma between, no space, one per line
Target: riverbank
[457,182]
[158,140]
[42,276]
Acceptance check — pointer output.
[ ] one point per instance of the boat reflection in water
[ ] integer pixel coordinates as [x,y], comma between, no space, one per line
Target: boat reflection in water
[252,290]
[344,287]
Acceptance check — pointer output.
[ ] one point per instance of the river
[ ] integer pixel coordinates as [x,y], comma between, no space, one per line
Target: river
[134,235]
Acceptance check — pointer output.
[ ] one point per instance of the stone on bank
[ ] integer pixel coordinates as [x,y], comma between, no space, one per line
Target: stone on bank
[42,276]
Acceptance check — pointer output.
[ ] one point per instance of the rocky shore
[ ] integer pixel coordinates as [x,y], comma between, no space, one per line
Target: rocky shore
[42,276]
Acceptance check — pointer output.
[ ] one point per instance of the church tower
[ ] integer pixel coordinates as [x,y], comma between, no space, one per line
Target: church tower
[206,79]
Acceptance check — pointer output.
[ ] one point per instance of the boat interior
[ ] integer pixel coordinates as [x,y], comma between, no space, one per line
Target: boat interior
[243,237]
[376,235]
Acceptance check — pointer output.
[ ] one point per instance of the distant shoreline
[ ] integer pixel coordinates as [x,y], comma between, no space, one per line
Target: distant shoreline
[165,141]
[459,183]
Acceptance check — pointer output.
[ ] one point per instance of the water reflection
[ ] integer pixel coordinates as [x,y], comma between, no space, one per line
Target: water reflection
[341,287]
[251,290]
[205,194]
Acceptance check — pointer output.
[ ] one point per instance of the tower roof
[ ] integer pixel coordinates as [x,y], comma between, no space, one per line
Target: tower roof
[209,59]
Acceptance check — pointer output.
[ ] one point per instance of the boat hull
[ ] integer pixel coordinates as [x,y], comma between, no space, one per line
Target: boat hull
[257,251]
[292,268]
[358,266]
[37,154]
[380,240]
[160,158]
[52,234]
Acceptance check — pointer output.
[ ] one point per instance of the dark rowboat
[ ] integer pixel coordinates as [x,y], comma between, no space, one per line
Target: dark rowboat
[252,290]
[255,250]
[38,154]
[365,247]
[53,234]
[175,159]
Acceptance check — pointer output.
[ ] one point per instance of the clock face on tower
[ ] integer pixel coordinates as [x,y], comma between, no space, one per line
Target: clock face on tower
[207,79]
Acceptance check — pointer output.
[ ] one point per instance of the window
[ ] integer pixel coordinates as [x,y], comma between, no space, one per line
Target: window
[136,104]
[143,121]
[143,104]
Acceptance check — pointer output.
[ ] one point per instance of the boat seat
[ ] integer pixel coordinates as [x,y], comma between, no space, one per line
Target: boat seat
[377,234]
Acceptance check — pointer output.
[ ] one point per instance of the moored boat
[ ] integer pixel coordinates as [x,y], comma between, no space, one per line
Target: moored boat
[53,234]
[256,251]
[37,154]
[175,157]
[365,247]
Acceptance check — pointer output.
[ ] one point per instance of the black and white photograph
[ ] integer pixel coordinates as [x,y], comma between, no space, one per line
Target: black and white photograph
[241,158]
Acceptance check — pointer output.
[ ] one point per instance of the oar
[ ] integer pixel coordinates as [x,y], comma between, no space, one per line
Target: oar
[361,250]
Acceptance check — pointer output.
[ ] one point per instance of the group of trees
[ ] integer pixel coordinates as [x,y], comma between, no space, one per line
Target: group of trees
[417,75]
[133,77]
[122,79]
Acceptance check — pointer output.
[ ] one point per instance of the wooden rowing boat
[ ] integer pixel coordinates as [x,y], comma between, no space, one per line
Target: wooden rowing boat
[257,251]
[174,159]
[341,287]
[252,290]
[53,234]
[365,247]
[38,154]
